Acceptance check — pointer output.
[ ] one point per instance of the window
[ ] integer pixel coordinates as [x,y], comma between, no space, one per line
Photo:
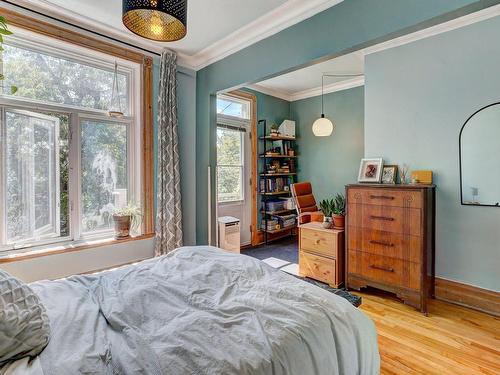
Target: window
[229,164]
[232,106]
[65,165]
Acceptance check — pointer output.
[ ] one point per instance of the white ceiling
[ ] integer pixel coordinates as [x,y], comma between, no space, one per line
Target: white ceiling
[216,28]
[306,82]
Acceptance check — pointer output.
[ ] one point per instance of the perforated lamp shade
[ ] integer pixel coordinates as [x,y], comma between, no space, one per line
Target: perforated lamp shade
[322,127]
[160,20]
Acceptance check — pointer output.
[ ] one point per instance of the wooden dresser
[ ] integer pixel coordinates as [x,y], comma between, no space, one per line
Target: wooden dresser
[391,239]
[321,253]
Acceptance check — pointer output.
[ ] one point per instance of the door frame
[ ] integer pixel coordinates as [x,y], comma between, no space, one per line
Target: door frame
[253,165]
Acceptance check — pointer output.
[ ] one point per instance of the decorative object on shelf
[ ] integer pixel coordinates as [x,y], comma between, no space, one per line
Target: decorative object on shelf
[274,130]
[4,31]
[389,174]
[338,211]
[403,172]
[126,219]
[115,107]
[287,128]
[291,152]
[422,177]
[370,170]
[323,127]
[327,206]
[160,20]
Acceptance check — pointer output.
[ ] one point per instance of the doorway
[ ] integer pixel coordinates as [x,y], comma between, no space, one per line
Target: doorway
[236,160]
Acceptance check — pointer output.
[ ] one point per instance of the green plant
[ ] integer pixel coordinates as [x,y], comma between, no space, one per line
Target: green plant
[274,126]
[4,30]
[134,211]
[327,206]
[339,205]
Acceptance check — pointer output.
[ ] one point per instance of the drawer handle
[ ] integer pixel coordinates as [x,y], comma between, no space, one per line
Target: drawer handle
[318,242]
[382,218]
[382,243]
[381,197]
[381,268]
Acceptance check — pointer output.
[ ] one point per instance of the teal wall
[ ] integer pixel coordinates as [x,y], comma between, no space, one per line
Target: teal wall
[186,102]
[330,163]
[346,27]
[417,98]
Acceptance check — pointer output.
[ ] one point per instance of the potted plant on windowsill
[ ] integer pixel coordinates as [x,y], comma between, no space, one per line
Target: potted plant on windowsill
[127,219]
[327,206]
[339,211]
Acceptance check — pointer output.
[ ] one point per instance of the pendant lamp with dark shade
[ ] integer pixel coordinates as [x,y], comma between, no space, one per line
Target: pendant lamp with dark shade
[160,20]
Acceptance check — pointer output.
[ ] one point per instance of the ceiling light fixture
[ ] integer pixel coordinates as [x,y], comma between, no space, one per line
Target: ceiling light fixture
[323,127]
[160,20]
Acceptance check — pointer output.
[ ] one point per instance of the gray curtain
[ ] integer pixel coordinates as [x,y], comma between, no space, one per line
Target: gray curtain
[169,214]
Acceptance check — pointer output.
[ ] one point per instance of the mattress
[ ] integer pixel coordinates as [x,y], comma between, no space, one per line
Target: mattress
[199,310]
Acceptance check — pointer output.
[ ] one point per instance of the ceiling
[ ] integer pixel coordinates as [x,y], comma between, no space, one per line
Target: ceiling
[306,82]
[216,28]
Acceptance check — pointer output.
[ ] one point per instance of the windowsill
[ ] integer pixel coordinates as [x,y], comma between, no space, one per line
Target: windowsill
[68,248]
[232,203]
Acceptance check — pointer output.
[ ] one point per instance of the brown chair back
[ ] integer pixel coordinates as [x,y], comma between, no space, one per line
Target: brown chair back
[305,203]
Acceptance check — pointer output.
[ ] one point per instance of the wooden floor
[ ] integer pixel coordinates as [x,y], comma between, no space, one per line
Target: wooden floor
[451,340]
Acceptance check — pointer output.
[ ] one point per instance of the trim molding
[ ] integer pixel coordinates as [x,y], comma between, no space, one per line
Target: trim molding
[476,298]
[284,16]
[309,93]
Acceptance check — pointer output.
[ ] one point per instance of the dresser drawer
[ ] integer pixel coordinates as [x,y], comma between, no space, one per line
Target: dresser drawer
[394,245]
[320,242]
[386,197]
[385,270]
[388,219]
[317,268]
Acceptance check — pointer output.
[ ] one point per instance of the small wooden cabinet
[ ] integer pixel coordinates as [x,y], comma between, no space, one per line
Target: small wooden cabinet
[321,253]
[390,233]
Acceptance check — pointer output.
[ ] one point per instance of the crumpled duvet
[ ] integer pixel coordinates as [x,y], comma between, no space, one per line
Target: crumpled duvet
[199,310]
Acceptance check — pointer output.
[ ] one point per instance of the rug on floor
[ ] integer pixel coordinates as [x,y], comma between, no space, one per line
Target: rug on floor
[293,269]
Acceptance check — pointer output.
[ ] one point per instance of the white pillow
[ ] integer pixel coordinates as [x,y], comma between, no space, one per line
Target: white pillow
[24,324]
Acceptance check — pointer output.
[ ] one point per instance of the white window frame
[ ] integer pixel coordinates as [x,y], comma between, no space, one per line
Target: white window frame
[57,48]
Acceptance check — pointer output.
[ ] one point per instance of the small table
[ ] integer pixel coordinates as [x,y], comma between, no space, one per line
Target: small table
[321,253]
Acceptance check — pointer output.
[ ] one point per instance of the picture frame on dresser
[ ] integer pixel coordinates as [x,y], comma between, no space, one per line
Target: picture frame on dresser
[370,170]
[390,240]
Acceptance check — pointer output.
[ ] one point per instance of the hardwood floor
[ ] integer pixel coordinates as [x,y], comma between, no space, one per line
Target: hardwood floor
[451,340]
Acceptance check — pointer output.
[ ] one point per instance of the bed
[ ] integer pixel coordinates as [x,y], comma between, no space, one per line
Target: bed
[199,310]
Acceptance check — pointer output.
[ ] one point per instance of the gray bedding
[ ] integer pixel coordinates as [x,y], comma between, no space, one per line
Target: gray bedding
[199,310]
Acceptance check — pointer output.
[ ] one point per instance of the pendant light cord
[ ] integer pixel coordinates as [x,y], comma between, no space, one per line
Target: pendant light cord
[323,85]
[322,95]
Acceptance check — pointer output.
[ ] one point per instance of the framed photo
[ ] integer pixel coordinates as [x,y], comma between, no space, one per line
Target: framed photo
[389,174]
[370,170]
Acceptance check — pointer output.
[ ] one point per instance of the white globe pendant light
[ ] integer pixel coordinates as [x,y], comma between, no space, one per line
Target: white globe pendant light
[322,127]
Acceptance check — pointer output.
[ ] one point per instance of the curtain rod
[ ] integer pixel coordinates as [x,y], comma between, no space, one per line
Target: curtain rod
[79,27]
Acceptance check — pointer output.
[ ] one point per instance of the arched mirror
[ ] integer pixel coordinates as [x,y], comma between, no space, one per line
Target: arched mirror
[480,158]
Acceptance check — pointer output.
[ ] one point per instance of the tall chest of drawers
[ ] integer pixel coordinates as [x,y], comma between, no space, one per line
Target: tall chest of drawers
[390,240]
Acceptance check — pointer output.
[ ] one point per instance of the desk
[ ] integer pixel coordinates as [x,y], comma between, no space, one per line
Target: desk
[321,253]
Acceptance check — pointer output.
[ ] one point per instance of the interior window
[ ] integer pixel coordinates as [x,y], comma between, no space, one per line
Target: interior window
[231,106]
[229,164]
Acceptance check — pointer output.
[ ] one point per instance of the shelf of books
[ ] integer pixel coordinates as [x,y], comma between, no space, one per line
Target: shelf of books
[278,170]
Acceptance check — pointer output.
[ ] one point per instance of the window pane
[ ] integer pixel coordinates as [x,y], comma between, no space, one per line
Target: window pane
[229,147]
[103,172]
[33,159]
[229,183]
[233,107]
[58,80]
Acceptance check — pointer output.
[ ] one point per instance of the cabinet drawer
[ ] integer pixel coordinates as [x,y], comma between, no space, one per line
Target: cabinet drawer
[388,219]
[385,270]
[319,242]
[386,197]
[317,268]
[394,245]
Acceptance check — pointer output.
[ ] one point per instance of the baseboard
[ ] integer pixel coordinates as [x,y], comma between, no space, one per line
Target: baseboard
[470,296]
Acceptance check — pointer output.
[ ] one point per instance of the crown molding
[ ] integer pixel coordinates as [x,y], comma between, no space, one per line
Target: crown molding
[444,27]
[310,93]
[284,16]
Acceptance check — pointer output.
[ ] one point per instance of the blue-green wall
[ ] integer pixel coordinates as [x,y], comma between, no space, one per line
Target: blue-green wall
[417,98]
[186,102]
[346,27]
[330,163]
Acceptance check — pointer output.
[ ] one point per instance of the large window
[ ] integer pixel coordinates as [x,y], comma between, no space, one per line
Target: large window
[229,164]
[65,165]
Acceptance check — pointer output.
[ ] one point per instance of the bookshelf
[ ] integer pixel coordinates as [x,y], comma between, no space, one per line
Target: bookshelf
[277,172]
